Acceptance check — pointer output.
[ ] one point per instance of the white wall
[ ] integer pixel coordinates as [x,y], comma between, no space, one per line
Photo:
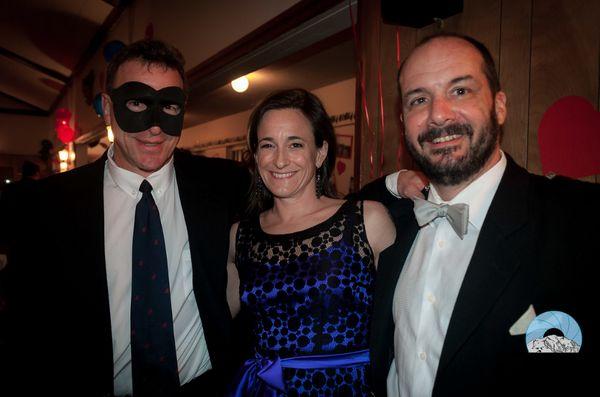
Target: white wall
[338,98]
[226,127]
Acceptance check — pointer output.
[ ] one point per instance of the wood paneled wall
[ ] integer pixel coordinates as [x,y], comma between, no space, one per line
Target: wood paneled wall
[544,50]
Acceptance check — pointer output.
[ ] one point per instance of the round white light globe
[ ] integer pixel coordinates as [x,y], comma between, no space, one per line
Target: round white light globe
[240,84]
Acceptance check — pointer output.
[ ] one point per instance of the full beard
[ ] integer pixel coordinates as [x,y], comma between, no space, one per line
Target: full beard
[450,171]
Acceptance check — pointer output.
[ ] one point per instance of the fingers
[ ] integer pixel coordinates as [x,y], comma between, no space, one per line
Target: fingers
[416,194]
[423,178]
[411,183]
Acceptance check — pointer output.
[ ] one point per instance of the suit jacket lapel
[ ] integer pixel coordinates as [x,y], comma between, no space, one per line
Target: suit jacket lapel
[494,260]
[206,217]
[196,211]
[391,262]
[203,211]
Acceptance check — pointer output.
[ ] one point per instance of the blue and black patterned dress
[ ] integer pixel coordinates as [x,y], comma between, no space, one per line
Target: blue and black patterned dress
[309,293]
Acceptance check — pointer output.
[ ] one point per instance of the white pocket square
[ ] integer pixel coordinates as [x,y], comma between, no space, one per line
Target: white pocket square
[520,326]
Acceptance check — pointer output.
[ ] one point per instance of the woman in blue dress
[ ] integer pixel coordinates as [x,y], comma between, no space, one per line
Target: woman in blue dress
[304,266]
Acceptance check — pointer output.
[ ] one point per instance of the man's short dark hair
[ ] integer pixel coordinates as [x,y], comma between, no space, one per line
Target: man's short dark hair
[148,52]
[489,66]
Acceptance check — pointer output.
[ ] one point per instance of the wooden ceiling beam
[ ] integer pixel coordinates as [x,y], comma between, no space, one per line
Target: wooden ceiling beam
[21,101]
[33,65]
[94,45]
[282,23]
[25,112]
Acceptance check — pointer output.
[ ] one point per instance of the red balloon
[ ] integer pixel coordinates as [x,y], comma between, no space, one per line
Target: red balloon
[63,114]
[64,132]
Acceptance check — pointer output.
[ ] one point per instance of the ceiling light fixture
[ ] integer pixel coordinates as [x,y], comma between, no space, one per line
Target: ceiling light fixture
[240,84]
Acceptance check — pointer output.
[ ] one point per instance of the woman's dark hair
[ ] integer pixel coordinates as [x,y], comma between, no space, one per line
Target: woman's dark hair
[322,128]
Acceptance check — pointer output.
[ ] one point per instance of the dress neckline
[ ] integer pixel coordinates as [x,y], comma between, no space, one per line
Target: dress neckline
[304,232]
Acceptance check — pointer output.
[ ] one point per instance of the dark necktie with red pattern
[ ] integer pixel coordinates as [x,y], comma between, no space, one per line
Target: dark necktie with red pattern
[153,355]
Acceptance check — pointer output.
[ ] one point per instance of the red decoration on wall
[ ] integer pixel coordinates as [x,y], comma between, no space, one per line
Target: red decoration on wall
[63,130]
[569,138]
[341,167]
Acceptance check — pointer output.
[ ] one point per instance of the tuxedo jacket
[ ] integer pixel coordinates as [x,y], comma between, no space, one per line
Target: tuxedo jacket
[537,246]
[62,319]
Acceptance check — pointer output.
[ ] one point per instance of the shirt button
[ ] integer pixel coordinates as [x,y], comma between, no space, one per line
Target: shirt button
[423,356]
[441,244]
[431,298]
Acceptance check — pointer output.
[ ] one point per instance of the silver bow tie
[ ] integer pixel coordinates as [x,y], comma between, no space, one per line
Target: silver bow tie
[456,214]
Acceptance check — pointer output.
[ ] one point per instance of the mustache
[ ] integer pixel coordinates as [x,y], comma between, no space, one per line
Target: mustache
[452,129]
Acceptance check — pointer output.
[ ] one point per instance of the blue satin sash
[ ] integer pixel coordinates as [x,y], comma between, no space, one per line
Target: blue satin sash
[264,377]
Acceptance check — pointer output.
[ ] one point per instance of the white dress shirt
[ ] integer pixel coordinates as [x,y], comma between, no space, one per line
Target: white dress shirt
[428,287]
[121,195]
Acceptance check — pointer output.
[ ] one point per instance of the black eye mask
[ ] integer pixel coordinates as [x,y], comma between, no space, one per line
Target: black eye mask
[139,107]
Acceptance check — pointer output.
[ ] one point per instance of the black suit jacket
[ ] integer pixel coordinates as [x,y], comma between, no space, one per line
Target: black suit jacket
[536,247]
[62,318]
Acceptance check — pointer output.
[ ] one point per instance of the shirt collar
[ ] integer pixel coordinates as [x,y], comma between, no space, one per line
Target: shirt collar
[129,182]
[478,194]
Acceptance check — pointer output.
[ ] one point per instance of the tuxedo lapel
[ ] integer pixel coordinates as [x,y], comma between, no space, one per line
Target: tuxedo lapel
[495,259]
[206,217]
[198,212]
[391,261]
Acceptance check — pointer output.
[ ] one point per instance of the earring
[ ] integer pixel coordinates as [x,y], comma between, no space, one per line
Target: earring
[319,184]
[109,133]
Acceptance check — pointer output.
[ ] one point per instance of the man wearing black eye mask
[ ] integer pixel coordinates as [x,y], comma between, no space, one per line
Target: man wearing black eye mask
[139,107]
[145,111]
[77,310]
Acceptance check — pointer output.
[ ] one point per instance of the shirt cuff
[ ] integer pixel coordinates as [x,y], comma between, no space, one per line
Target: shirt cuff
[391,183]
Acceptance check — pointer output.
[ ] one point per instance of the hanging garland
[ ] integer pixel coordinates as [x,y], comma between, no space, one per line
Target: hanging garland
[400,143]
[363,95]
[375,140]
